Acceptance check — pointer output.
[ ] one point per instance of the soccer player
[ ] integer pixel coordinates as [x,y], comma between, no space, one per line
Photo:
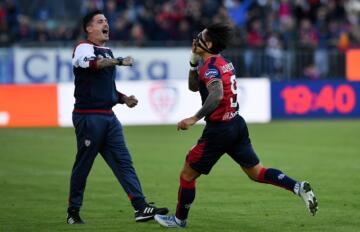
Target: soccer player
[97,128]
[225,130]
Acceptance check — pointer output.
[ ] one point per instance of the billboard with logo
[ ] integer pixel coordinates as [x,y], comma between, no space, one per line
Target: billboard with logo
[160,102]
[320,99]
[167,102]
[53,65]
[6,65]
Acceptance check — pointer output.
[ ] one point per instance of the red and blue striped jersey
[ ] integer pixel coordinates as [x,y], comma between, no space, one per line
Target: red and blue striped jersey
[217,67]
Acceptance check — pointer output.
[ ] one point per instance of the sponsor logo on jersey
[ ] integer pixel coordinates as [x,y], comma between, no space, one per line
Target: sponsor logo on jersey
[211,73]
[227,67]
[229,115]
[88,59]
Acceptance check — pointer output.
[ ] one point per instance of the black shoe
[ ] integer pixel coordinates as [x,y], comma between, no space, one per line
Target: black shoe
[74,216]
[148,213]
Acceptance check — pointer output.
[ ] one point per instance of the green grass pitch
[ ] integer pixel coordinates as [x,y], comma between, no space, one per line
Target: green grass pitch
[35,167]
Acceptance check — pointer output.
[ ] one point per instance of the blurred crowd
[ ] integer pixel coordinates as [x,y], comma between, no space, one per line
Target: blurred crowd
[278,38]
[259,23]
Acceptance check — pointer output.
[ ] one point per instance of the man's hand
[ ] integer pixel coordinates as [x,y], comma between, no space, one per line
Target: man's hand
[130,101]
[194,60]
[186,123]
[193,46]
[127,61]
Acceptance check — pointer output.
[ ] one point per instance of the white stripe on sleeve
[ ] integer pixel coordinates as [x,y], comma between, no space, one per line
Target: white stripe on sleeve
[82,55]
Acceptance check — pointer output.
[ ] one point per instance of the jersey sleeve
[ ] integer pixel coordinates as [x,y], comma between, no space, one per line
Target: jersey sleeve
[211,74]
[84,56]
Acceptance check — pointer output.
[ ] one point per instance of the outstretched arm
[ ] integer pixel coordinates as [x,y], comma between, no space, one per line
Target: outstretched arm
[84,57]
[107,62]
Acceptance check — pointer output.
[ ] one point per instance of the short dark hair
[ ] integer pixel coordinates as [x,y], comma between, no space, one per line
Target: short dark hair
[88,17]
[220,34]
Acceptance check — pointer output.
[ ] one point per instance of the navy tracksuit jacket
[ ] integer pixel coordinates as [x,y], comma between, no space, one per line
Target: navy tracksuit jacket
[96,126]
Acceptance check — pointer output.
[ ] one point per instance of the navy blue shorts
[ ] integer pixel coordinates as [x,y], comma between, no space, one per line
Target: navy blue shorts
[220,138]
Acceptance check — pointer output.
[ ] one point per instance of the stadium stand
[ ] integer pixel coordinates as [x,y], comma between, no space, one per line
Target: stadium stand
[276,38]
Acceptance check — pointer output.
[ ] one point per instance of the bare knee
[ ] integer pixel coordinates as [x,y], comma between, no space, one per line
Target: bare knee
[253,172]
[188,173]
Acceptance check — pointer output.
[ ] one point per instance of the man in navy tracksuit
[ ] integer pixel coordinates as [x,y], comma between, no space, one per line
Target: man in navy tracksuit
[96,126]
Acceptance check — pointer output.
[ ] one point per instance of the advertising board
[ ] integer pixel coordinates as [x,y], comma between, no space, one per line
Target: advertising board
[53,65]
[320,99]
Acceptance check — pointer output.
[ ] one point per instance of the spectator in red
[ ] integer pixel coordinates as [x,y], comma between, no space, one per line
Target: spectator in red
[256,37]
[285,10]
[307,34]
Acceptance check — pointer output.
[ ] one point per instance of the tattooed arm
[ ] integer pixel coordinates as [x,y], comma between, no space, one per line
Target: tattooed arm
[216,93]
[106,62]
[84,57]
[193,80]
[193,73]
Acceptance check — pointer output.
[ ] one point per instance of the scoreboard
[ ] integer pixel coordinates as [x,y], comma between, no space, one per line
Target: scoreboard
[319,99]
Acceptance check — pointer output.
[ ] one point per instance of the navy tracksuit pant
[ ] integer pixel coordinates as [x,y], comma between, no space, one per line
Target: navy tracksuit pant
[102,133]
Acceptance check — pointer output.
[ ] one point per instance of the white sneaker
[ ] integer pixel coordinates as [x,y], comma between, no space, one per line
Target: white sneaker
[169,221]
[307,194]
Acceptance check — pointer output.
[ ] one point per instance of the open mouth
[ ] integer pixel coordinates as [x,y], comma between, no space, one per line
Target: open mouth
[105,32]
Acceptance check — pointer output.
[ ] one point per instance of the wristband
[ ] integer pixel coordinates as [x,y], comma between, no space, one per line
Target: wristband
[193,65]
[193,68]
[120,60]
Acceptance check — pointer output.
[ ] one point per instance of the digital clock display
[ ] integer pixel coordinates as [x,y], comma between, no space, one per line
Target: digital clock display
[315,99]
